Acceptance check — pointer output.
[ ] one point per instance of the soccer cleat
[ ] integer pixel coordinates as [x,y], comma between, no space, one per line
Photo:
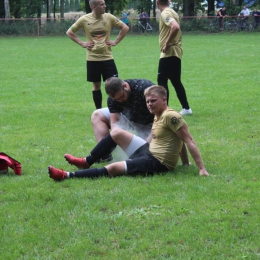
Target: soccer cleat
[57,174]
[107,158]
[185,112]
[78,162]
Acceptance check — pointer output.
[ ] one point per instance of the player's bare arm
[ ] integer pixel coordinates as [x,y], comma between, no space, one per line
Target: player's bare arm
[184,155]
[124,29]
[184,134]
[114,119]
[88,45]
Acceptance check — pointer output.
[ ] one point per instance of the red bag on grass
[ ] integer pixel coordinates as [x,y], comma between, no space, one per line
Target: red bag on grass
[7,161]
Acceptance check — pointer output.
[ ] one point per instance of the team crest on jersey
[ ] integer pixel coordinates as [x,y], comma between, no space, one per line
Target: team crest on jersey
[174,120]
[168,19]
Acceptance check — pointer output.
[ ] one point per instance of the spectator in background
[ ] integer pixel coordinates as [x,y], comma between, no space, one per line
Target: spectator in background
[97,26]
[220,15]
[143,20]
[124,17]
[244,15]
[256,15]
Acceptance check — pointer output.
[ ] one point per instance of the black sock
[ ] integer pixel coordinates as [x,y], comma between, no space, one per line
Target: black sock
[89,173]
[104,147]
[97,97]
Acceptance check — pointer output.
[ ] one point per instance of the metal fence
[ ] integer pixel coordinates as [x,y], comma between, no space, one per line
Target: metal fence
[51,27]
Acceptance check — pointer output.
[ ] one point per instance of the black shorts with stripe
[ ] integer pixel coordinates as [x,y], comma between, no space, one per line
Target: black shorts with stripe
[143,162]
[96,69]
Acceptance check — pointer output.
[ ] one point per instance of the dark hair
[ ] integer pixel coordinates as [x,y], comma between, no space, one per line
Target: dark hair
[113,85]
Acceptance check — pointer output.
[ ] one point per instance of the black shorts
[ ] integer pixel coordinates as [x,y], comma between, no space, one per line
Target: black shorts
[143,162]
[169,67]
[95,69]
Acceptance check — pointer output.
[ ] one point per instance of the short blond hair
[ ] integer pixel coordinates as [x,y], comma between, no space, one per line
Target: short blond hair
[155,89]
[93,2]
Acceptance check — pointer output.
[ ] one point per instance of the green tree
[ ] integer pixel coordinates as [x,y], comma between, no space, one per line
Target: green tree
[67,6]
[2,9]
[113,6]
[62,9]
[7,9]
[72,5]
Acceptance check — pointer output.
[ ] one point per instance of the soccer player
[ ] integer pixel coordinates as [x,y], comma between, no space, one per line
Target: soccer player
[97,26]
[160,154]
[171,53]
[126,109]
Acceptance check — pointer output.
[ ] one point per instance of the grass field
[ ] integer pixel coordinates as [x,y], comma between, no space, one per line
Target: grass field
[45,108]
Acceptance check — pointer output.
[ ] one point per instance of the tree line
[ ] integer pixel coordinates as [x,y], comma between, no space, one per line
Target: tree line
[35,8]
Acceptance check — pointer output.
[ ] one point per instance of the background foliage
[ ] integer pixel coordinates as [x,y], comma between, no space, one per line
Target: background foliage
[35,8]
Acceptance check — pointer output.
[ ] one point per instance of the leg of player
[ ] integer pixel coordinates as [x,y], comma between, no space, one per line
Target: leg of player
[127,141]
[97,94]
[100,124]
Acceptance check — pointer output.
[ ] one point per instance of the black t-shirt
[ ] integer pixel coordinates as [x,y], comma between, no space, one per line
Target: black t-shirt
[135,108]
[222,12]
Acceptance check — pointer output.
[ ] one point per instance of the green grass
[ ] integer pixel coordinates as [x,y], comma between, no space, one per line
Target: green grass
[45,108]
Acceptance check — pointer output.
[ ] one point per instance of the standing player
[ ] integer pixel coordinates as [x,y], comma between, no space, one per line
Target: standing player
[97,26]
[171,53]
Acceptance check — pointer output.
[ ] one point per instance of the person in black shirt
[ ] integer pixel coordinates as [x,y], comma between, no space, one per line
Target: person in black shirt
[256,15]
[126,109]
[220,15]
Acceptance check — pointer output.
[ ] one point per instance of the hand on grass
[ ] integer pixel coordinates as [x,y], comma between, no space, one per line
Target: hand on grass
[203,172]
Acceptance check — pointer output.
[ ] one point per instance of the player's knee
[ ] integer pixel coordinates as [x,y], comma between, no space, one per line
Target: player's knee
[98,117]
[116,132]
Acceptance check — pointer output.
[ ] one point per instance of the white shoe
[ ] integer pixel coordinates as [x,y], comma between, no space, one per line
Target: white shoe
[185,112]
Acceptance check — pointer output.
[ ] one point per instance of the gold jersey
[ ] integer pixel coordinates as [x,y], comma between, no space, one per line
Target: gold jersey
[97,31]
[166,145]
[175,49]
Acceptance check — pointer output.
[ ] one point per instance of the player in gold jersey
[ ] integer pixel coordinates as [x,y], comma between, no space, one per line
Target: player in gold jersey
[97,26]
[166,144]
[171,53]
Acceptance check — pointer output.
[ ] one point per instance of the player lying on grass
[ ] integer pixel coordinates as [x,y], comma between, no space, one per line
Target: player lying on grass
[167,143]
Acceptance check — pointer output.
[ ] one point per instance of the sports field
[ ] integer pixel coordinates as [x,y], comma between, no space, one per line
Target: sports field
[45,109]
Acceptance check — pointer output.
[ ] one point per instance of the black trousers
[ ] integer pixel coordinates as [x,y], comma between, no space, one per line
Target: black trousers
[170,68]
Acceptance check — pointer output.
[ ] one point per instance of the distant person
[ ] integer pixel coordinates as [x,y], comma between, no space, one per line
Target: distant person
[124,17]
[167,143]
[143,20]
[97,26]
[244,15]
[171,54]
[220,15]
[126,109]
[256,15]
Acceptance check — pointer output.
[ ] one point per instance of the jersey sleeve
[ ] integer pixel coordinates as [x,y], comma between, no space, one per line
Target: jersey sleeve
[167,17]
[174,120]
[112,106]
[77,25]
[115,22]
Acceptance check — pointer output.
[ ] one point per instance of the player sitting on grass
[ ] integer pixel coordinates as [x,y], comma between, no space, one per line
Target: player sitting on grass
[167,143]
